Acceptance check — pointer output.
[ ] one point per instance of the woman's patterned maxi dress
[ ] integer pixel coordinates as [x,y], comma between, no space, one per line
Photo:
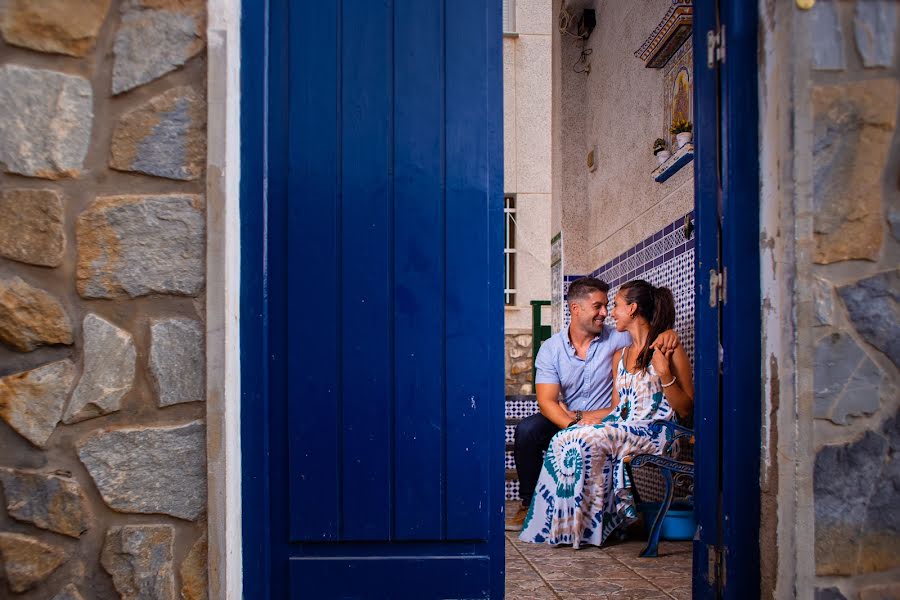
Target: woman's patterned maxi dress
[583,493]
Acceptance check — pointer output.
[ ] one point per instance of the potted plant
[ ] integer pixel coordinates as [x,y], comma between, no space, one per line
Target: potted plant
[682,130]
[660,152]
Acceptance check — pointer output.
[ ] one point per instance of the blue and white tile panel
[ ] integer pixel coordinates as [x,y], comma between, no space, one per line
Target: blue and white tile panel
[665,258]
[519,407]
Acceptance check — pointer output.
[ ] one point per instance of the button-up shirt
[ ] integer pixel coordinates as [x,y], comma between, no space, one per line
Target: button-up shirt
[586,384]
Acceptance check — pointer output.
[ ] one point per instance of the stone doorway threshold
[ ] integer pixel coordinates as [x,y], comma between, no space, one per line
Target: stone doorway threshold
[541,572]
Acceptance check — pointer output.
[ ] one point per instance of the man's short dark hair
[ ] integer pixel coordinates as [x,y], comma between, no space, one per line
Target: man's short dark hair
[584,287]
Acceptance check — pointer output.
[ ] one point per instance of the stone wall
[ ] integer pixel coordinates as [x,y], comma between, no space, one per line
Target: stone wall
[518,360]
[855,286]
[102,277]
[831,246]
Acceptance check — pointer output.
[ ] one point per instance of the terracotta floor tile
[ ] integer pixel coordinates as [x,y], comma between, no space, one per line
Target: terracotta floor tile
[530,589]
[681,593]
[639,593]
[582,570]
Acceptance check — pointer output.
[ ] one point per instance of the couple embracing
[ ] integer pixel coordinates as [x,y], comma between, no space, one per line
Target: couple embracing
[599,388]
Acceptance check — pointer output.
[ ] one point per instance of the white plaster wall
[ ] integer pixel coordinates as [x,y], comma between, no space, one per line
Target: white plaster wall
[223,278]
[527,152]
[621,114]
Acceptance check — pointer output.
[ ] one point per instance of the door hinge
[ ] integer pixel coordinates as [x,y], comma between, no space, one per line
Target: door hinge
[717,288]
[715,47]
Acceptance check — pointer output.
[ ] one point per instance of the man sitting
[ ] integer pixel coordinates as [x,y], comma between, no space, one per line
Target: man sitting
[577,363]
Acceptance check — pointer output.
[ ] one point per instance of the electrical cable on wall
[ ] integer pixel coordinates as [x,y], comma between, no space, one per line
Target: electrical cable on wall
[582,60]
[565,22]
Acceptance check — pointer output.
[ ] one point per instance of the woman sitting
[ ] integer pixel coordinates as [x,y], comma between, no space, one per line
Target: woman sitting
[583,493]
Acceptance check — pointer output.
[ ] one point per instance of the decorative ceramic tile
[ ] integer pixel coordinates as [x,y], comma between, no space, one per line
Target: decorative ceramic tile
[521,408]
[665,258]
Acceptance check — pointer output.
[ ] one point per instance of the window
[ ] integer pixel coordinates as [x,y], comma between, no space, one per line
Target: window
[509,249]
[509,16]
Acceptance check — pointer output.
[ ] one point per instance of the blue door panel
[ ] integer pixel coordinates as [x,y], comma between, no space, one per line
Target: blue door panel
[378,272]
[468,272]
[416,578]
[314,217]
[366,272]
[419,500]
[707,417]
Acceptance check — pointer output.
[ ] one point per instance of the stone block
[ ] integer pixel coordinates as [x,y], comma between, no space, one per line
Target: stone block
[28,561]
[152,470]
[831,593]
[872,306]
[880,591]
[139,559]
[854,125]
[846,381]
[193,572]
[857,504]
[894,220]
[32,402]
[107,373]
[826,37]
[178,360]
[45,122]
[70,592]
[45,500]
[165,136]
[875,28]
[57,26]
[823,306]
[156,37]
[31,227]
[131,246]
[520,366]
[30,317]
[517,352]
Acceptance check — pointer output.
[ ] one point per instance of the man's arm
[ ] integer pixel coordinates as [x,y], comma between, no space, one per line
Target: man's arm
[548,404]
[666,341]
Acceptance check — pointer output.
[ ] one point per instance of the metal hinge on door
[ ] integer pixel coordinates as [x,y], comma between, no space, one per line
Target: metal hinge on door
[717,287]
[715,47]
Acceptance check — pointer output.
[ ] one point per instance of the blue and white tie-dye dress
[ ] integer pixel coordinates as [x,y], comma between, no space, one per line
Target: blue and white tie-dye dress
[583,493]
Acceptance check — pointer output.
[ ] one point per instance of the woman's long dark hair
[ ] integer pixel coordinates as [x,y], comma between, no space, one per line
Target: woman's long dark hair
[657,305]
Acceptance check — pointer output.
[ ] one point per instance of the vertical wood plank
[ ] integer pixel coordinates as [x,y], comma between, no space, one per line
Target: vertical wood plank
[313,268]
[419,268]
[367,269]
[468,272]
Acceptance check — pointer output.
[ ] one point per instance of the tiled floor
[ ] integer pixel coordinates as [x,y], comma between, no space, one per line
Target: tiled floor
[541,572]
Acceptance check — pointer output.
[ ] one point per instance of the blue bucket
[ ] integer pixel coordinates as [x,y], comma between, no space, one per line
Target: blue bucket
[679,524]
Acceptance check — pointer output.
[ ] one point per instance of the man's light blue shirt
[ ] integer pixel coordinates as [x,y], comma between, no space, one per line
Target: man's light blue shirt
[585,384]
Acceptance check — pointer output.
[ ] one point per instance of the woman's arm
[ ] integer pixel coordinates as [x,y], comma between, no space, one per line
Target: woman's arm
[595,417]
[674,367]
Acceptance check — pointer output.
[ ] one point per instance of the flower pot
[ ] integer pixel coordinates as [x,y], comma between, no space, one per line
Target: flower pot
[683,138]
[662,156]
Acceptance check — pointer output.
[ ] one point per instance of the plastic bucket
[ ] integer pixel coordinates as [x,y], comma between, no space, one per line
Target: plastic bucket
[679,524]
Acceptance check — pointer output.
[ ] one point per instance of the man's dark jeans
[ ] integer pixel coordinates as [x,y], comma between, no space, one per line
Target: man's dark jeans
[533,436]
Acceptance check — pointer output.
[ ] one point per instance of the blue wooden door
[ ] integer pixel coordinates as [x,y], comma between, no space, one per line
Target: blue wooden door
[727,419]
[372,300]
